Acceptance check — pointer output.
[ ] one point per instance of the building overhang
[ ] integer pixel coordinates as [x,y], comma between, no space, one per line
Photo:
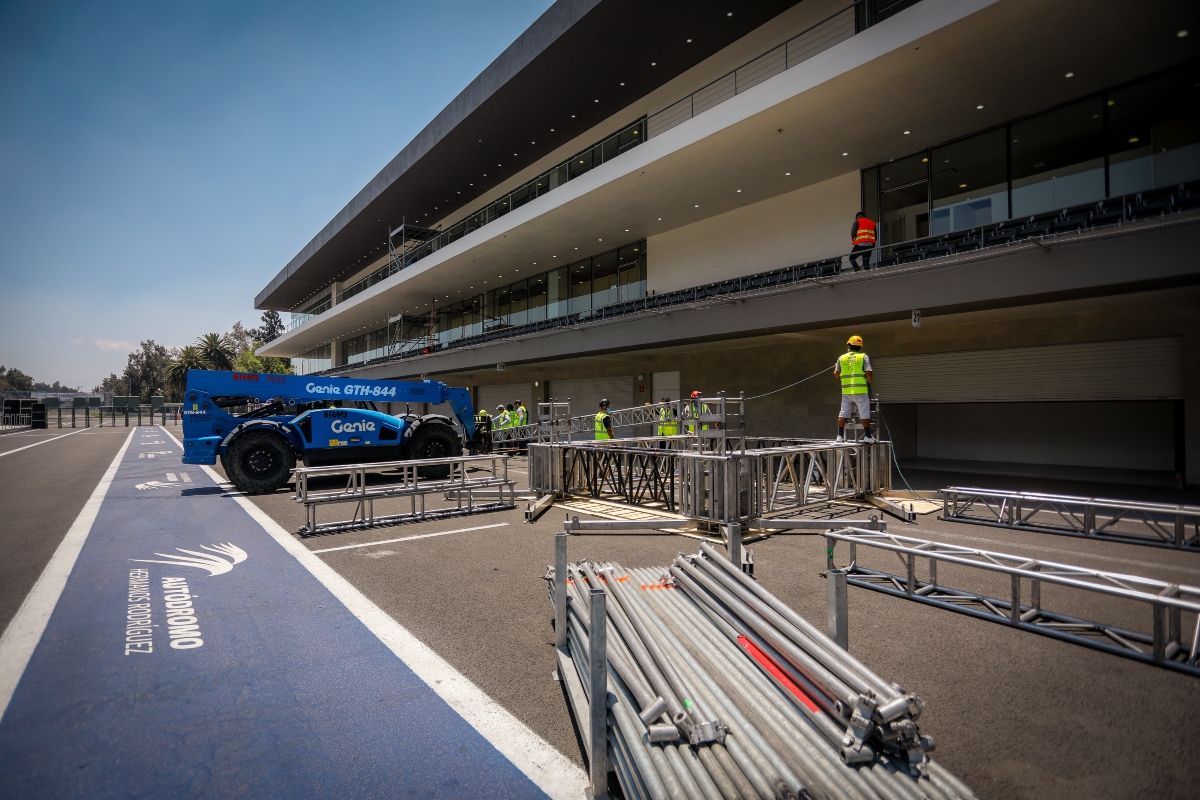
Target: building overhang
[577,65]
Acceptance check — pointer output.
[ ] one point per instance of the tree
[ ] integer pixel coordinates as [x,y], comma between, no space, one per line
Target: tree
[272,327]
[249,362]
[240,339]
[186,358]
[113,384]
[13,380]
[216,350]
[145,371]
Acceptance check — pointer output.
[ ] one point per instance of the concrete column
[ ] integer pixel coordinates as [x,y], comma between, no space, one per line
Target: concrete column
[335,353]
[333,291]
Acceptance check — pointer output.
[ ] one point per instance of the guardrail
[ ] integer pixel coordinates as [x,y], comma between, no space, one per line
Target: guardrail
[412,479]
[118,417]
[1128,521]
[16,420]
[1159,643]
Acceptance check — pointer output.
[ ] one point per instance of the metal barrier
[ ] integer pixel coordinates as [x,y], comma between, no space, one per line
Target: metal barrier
[567,427]
[1163,645]
[1129,521]
[121,417]
[16,421]
[404,479]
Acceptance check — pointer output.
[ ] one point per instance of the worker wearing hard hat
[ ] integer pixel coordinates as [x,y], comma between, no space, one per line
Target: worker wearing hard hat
[853,369]
[604,427]
[503,417]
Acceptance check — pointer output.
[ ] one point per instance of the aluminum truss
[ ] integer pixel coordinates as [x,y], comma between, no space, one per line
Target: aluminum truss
[640,416]
[1162,644]
[1155,524]
[400,479]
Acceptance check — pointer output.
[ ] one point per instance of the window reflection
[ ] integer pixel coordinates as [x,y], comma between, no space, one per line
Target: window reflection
[1154,133]
[604,280]
[905,198]
[1058,158]
[581,286]
[970,183]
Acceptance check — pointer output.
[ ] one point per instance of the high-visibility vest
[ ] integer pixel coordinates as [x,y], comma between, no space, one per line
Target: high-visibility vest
[850,369]
[503,420]
[483,418]
[520,415]
[601,430]
[865,233]
[667,424]
[697,410]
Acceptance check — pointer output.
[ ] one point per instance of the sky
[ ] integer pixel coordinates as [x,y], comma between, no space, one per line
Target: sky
[161,162]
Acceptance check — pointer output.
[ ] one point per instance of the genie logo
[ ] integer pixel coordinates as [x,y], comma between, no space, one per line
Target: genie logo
[315,388]
[351,427]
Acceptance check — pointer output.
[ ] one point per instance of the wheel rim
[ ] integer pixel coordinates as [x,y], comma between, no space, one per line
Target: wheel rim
[260,462]
[435,448]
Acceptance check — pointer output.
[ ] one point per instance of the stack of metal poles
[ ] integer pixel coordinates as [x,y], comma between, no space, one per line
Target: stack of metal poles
[704,700]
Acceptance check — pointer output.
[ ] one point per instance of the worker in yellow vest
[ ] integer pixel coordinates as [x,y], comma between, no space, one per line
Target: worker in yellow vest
[503,418]
[522,414]
[853,369]
[604,428]
[668,421]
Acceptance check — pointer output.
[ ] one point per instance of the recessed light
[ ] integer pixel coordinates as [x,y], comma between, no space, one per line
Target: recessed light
[597,100]
[622,84]
[660,219]
[845,154]
[979,107]
[697,206]
[572,116]
[739,191]
[729,14]
[689,41]
[627,230]
[654,63]
[906,133]
[1133,140]
[1181,34]
[1069,75]
[962,186]
[787,173]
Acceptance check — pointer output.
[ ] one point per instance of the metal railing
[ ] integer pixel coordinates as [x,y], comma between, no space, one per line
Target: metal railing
[412,479]
[1129,521]
[1160,642]
[836,28]
[114,416]
[645,416]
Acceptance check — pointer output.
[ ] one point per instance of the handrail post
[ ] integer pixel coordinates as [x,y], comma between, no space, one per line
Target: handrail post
[839,614]
[560,589]
[598,695]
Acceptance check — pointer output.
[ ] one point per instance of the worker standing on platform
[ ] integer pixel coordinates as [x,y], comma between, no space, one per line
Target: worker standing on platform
[853,369]
[604,427]
[668,421]
[692,413]
[522,414]
[862,238]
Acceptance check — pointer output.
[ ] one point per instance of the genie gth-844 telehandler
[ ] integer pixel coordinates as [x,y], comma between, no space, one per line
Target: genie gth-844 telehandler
[318,421]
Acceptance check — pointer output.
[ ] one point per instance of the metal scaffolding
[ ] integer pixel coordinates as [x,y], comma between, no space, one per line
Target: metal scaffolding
[1173,608]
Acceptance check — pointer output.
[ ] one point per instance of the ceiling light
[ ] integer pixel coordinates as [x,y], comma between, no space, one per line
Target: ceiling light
[660,219]
[572,116]
[787,174]
[729,14]
[697,206]
[1133,140]
[979,108]
[845,154]
[1181,34]
[962,186]
[622,84]
[1069,75]
[739,191]
[654,63]
[689,41]
[552,130]
[627,230]
[906,133]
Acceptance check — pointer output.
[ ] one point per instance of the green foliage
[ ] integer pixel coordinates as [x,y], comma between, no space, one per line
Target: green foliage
[186,358]
[217,350]
[272,327]
[13,380]
[247,361]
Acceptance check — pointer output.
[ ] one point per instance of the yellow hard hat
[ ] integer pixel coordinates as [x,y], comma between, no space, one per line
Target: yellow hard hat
[855,340]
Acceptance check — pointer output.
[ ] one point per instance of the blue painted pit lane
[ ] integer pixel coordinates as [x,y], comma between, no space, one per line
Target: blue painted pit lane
[265,686]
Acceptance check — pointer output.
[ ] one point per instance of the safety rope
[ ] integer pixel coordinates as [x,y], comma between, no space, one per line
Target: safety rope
[790,385]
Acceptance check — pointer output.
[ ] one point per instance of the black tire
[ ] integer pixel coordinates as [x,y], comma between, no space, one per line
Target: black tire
[434,440]
[260,462]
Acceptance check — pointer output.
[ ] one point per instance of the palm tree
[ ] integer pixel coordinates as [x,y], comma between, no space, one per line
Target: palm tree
[188,358]
[217,350]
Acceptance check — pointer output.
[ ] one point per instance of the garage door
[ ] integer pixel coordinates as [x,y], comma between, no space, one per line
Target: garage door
[492,396]
[1131,369]
[585,393]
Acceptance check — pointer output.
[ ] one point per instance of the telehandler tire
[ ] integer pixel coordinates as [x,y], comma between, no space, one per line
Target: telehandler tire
[260,462]
[434,440]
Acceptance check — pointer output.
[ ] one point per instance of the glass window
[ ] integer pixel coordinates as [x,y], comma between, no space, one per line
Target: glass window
[1058,159]
[970,183]
[905,198]
[604,280]
[1154,133]
[537,298]
[581,286]
[503,305]
[631,262]
[557,292]
[518,304]
[315,360]
[442,324]
[473,316]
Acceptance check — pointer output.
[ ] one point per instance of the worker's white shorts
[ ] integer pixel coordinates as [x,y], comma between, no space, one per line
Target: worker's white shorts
[849,401]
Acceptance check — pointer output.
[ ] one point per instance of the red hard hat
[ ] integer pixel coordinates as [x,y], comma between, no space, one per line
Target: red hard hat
[695,394]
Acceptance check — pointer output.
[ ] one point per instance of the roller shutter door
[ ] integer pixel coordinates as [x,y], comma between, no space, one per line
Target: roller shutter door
[586,393]
[492,396]
[1132,369]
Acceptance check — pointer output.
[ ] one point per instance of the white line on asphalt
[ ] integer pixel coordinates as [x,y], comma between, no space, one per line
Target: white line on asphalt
[1078,554]
[549,769]
[25,630]
[410,538]
[43,441]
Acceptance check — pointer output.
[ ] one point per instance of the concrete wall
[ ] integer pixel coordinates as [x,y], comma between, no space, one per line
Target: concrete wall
[805,225]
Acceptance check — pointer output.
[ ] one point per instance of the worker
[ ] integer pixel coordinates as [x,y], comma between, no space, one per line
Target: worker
[853,369]
[502,417]
[604,427]
[522,414]
[862,238]
[668,421]
[483,420]
[511,421]
[693,411]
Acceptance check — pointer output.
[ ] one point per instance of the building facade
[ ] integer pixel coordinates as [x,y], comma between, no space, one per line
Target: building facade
[634,203]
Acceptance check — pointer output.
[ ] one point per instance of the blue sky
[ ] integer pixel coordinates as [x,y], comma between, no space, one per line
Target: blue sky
[160,162]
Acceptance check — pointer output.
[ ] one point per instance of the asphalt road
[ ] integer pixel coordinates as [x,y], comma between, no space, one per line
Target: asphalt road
[42,490]
[1015,714]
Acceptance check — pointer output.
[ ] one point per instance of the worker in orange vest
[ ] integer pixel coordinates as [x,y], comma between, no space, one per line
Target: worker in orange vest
[862,238]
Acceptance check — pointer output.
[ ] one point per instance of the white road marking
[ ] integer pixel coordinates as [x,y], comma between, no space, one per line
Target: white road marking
[172,477]
[410,538]
[25,630]
[186,478]
[43,441]
[548,769]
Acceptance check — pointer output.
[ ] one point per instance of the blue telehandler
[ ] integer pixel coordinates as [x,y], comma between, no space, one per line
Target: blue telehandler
[316,420]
